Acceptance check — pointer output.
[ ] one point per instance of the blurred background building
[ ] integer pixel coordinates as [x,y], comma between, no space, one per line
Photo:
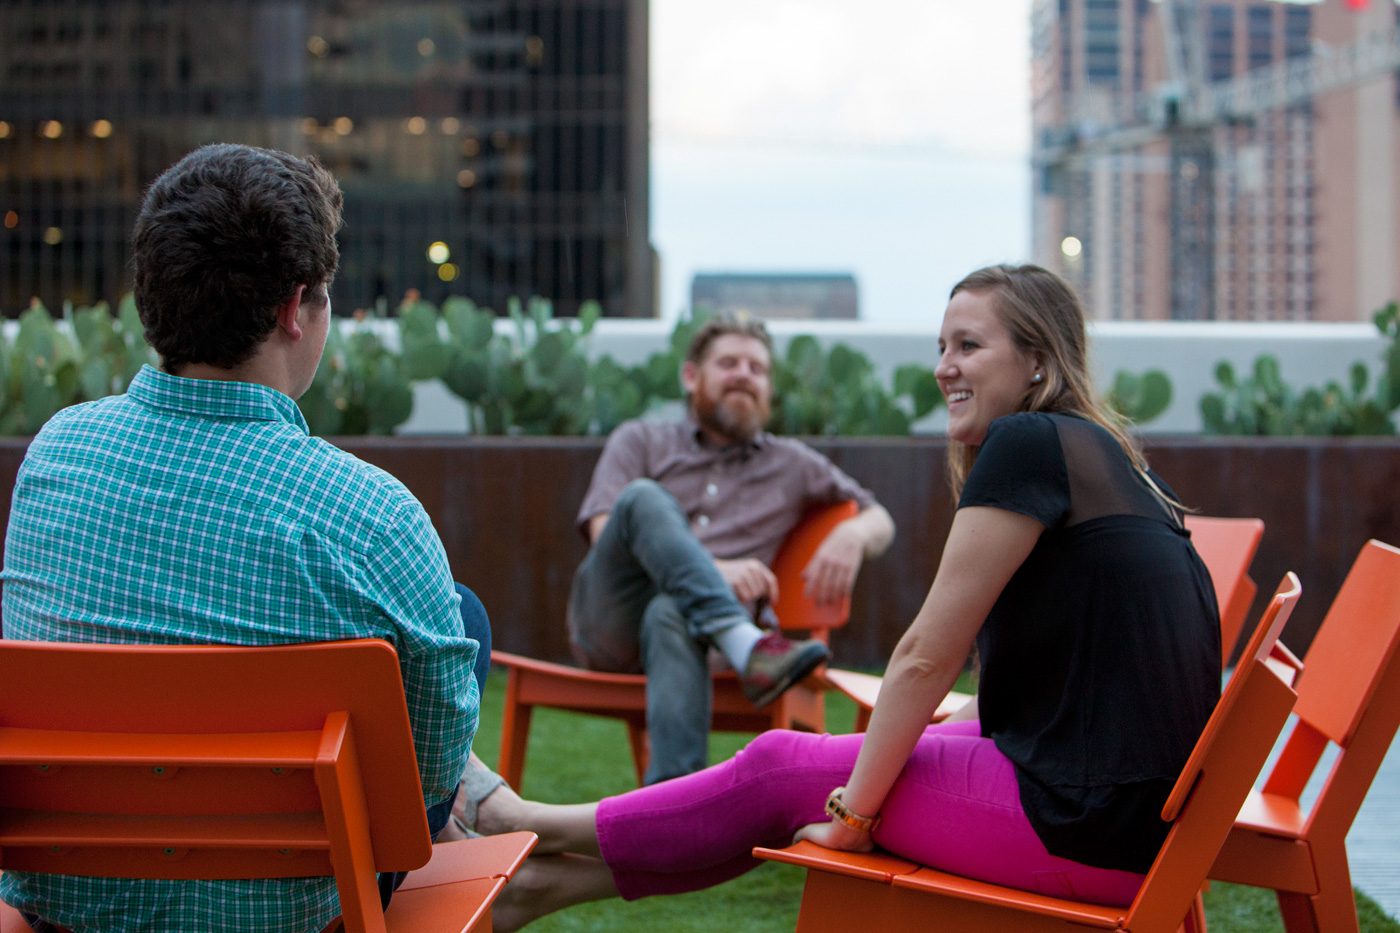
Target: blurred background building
[774,296]
[486,148]
[1235,160]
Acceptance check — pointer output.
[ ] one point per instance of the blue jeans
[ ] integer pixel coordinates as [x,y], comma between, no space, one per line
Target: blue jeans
[476,625]
[649,599]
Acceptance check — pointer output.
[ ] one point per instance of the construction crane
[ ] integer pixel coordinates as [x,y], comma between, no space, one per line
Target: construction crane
[1186,109]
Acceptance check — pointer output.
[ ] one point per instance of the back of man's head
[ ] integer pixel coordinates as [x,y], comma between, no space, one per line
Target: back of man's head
[223,239]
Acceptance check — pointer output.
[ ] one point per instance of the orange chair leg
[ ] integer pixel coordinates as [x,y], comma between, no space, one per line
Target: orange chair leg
[515,732]
[641,751]
[1195,921]
[802,707]
[1333,907]
[1297,912]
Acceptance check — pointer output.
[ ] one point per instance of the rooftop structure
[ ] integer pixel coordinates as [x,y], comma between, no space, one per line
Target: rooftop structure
[771,295]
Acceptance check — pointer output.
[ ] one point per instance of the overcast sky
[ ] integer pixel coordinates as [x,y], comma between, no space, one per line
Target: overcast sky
[887,138]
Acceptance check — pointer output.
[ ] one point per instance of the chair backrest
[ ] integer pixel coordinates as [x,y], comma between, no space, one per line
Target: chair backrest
[210,762]
[1349,693]
[1227,547]
[1220,771]
[794,608]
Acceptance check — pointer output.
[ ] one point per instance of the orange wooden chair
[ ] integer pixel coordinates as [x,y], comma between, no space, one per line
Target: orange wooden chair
[222,762]
[880,892]
[531,683]
[864,690]
[1350,695]
[1226,547]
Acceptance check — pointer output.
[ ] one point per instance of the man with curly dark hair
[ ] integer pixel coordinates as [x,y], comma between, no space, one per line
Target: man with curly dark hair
[223,240]
[197,508]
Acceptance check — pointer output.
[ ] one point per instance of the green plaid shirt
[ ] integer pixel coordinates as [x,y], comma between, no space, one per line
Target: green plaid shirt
[192,511]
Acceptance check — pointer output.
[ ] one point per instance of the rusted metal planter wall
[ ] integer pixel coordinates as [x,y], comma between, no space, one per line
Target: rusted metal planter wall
[505,509]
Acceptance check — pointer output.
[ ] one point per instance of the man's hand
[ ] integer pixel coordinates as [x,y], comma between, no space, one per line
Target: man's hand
[834,835]
[831,573]
[749,579]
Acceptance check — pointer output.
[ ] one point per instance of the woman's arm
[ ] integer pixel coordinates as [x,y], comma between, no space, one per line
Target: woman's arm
[985,547]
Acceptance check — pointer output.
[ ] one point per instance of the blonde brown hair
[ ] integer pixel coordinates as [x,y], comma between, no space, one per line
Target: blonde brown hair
[740,323]
[1045,319]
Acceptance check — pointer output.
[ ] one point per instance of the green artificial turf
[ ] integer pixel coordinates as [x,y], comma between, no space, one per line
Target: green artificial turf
[576,758]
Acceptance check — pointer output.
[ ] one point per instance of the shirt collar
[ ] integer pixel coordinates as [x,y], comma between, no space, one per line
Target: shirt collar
[693,431]
[212,398]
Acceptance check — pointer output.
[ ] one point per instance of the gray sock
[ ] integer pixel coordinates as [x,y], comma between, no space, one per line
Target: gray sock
[736,642]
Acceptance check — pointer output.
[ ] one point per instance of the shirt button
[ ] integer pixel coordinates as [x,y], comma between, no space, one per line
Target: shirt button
[711,489]
[703,521]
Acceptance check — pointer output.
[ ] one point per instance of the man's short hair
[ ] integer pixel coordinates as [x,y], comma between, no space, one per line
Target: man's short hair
[741,323]
[224,237]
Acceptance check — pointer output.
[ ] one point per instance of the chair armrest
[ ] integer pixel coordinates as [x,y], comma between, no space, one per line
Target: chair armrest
[471,859]
[869,866]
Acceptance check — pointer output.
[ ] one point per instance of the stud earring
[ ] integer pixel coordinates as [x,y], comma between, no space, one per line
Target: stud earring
[1037,377]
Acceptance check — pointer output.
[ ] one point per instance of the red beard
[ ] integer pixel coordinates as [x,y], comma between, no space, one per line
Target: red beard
[738,414]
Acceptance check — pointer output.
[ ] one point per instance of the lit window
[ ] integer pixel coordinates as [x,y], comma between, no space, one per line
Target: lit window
[344,126]
[439,252]
[318,46]
[309,126]
[426,47]
[447,272]
[52,129]
[11,219]
[1071,246]
[102,129]
[466,178]
[450,126]
[471,147]
[417,126]
[4,129]
[53,236]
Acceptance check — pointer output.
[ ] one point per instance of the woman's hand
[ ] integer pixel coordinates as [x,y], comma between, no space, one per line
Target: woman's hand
[835,835]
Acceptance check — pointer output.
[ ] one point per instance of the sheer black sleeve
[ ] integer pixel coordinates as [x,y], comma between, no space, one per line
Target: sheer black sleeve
[1021,468]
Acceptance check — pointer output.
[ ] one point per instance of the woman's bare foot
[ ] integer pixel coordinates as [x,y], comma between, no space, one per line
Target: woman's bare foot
[503,811]
[546,883]
[561,828]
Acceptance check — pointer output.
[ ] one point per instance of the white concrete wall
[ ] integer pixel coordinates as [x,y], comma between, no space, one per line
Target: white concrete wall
[1309,354]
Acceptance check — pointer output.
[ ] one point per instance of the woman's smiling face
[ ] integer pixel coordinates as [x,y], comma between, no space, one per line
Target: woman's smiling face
[982,373]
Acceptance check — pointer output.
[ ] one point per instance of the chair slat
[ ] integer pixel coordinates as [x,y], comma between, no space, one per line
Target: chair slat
[252,750]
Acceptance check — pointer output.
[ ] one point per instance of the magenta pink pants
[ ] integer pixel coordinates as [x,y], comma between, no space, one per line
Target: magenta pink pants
[955,807]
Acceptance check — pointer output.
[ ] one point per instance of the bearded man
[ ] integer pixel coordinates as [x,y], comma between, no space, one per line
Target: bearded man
[684,519]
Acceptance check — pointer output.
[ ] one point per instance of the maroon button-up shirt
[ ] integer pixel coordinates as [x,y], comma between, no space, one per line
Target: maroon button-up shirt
[741,500]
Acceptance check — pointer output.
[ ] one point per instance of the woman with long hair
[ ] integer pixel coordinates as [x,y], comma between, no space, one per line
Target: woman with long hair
[1066,566]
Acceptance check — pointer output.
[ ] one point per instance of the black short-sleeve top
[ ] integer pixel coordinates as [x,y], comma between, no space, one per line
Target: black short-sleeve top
[1101,658]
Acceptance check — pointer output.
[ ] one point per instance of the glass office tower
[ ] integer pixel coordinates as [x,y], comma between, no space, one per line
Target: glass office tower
[487,148]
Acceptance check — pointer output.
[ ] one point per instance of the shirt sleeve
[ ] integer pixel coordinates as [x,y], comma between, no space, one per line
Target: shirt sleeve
[624,459]
[408,576]
[828,483]
[1020,468]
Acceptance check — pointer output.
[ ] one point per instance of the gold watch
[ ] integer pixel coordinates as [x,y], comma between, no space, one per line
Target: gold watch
[836,809]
